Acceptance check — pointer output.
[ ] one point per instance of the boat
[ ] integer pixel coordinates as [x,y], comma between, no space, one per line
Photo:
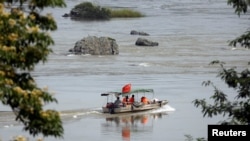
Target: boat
[139,104]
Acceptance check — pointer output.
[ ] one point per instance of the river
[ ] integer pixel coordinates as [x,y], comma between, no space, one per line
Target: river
[190,33]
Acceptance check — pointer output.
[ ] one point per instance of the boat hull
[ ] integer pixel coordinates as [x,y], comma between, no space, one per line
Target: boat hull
[135,107]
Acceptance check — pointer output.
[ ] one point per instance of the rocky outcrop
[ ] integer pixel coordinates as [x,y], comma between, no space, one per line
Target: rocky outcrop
[145,42]
[89,11]
[134,32]
[66,15]
[96,46]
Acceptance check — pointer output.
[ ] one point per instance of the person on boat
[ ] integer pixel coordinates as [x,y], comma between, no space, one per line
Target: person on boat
[132,99]
[144,100]
[155,100]
[118,102]
[125,100]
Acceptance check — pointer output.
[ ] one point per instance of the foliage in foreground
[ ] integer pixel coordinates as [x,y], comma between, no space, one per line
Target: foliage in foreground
[237,110]
[24,42]
[190,138]
[240,7]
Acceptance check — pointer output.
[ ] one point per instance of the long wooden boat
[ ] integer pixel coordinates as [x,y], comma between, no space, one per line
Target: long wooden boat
[138,105]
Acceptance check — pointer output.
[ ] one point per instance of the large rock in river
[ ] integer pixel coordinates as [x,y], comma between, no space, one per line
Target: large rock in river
[145,42]
[96,46]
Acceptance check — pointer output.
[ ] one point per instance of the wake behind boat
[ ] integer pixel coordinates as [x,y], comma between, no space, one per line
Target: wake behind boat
[133,100]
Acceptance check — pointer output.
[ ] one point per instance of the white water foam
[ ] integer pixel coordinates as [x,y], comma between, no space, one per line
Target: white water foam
[144,64]
[165,108]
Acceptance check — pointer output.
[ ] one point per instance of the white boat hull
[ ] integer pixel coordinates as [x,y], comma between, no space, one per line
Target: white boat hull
[135,107]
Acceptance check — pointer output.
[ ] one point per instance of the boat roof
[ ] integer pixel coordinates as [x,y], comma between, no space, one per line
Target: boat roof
[111,93]
[141,91]
[131,92]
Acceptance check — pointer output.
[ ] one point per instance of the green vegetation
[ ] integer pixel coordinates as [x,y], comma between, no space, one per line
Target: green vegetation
[24,42]
[241,6]
[237,111]
[125,13]
[89,11]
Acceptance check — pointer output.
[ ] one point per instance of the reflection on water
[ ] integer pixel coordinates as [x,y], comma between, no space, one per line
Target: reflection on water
[131,125]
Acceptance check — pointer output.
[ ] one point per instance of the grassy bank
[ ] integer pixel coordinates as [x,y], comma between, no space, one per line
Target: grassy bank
[125,13]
